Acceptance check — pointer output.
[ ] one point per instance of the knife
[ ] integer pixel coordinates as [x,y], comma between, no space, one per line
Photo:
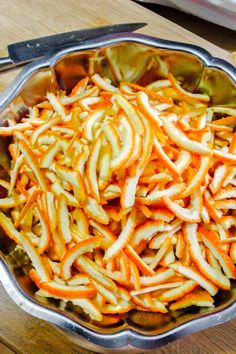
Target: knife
[27,51]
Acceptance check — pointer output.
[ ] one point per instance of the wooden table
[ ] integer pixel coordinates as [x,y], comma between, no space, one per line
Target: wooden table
[25,19]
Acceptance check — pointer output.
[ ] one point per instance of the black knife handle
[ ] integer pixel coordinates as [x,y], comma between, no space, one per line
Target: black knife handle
[6,63]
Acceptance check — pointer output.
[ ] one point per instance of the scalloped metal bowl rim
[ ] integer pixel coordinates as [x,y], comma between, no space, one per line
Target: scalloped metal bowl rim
[125,337]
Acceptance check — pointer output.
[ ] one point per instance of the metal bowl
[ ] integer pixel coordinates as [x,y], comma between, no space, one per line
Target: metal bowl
[199,72]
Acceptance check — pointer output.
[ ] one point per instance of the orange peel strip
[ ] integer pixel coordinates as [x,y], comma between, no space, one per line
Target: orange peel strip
[63,291]
[190,232]
[41,129]
[178,292]
[147,110]
[74,178]
[128,143]
[27,206]
[146,231]
[211,240]
[96,211]
[63,219]
[104,166]
[141,265]
[45,236]
[157,287]
[90,121]
[31,160]
[79,87]
[47,158]
[92,169]
[166,160]
[13,201]
[148,91]
[225,156]
[160,277]
[184,93]
[220,175]
[199,177]
[228,192]
[196,276]
[103,84]
[56,104]
[113,137]
[185,214]
[156,196]
[181,140]
[121,307]
[106,294]
[232,147]
[124,237]
[131,112]
[127,198]
[92,270]
[161,252]
[198,299]
[80,248]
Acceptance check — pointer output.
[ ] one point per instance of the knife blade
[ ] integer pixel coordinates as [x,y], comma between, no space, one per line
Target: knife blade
[27,51]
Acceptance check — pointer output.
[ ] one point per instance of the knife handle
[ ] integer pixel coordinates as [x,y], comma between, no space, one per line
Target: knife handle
[6,63]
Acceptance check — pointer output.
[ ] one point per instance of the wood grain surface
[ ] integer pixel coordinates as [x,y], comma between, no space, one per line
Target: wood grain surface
[25,19]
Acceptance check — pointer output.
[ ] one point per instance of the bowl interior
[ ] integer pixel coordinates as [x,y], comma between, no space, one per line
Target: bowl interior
[135,63]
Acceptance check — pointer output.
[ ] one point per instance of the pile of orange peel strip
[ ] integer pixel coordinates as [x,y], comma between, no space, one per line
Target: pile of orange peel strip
[124,197]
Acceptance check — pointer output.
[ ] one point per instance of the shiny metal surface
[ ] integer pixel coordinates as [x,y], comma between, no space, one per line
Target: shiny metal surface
[30,50]
[200,72]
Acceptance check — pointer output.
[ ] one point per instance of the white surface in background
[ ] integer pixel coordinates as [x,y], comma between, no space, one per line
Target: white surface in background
[221,12]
